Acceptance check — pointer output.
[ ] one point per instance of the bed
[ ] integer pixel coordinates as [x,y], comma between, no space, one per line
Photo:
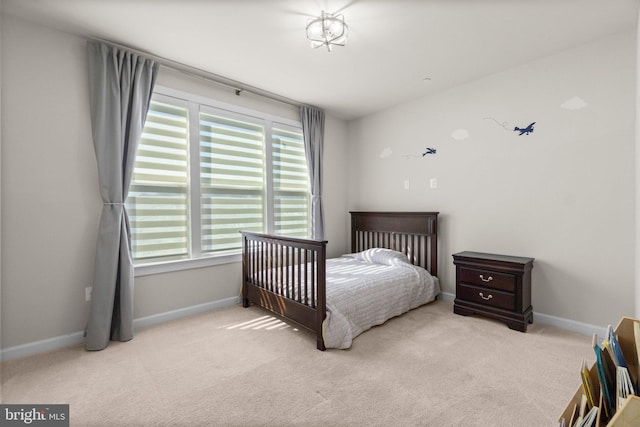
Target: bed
[392,268]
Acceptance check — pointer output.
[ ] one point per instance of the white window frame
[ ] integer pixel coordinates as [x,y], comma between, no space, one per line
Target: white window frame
[196,104]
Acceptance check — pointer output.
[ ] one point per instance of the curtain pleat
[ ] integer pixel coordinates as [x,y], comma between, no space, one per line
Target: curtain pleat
[313,131]
[121,84]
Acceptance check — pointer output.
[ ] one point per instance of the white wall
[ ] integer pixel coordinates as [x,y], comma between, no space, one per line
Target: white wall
[336,164]
[563,195]
[50,199]
[637,173]
[1,7]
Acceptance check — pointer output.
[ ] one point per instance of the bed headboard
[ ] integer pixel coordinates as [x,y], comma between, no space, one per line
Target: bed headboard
[413,233]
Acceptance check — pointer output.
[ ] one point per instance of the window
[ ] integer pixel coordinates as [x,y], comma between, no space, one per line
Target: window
[232,180]
[204,171]
[291,184]
[159,193]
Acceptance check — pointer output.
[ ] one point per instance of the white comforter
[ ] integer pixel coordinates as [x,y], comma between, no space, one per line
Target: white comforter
[368,288]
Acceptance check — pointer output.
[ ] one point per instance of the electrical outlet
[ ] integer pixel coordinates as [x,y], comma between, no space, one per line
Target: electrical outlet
[433,183]
[87,293]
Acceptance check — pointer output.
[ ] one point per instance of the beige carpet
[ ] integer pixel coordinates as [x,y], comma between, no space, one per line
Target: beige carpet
[239,367]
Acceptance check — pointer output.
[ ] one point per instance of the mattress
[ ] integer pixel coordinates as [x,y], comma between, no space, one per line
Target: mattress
[366,289]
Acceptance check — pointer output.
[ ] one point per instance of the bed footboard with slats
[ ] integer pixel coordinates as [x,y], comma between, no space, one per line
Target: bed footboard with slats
[286,276]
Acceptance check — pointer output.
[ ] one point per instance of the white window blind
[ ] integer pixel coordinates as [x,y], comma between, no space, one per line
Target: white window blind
[231,180]
[206,170]
[290,183]
[159,193]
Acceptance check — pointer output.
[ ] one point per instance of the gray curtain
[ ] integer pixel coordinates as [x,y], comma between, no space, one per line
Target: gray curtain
[121,84]
[313,130]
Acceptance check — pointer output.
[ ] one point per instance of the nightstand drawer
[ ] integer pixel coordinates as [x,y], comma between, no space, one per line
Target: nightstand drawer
[488,297]
[490,279]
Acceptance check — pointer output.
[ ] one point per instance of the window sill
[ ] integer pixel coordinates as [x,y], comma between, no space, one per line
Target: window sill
[187,264]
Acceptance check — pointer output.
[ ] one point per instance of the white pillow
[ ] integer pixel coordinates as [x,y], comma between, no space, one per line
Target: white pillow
[381,256]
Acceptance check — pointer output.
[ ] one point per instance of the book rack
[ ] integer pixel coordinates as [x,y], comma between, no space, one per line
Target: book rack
[629,414]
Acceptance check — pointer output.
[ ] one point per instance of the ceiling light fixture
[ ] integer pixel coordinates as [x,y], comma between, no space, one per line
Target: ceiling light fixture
[327,30]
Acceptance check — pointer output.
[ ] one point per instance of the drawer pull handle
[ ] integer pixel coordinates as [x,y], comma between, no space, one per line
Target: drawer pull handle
[488,279]
[487,298]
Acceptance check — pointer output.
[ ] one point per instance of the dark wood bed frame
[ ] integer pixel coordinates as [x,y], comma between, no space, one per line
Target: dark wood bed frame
[270,263]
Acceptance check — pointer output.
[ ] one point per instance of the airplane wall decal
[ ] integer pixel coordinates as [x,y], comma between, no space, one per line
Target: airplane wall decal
[524,131]
[429,151]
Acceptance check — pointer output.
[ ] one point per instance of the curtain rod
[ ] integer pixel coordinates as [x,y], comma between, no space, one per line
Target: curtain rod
[237,86]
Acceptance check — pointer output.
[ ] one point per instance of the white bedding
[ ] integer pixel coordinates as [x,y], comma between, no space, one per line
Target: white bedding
[368,288]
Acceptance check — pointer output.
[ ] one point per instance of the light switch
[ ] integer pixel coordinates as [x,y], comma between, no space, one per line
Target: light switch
[433,183]
[406,184]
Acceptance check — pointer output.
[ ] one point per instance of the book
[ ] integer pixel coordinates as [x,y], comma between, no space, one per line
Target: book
[590,419]
[574,415]
[603,360]
[616,350]
[587,386]
[624,385]
[581,411]
[636,335]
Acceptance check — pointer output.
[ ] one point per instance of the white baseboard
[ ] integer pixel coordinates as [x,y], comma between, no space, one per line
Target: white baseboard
[570,325]
[547,319]
[445,296]
[156,319]
[143,322]
[41,346]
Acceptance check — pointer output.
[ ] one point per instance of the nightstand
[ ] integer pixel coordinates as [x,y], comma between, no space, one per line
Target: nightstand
[495,286]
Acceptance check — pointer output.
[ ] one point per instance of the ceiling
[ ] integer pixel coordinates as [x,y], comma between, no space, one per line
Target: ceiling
[397,50]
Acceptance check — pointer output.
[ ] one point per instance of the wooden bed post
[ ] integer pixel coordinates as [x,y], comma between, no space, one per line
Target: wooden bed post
[433,242]
[245,272]
[353,234]
[321,309]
